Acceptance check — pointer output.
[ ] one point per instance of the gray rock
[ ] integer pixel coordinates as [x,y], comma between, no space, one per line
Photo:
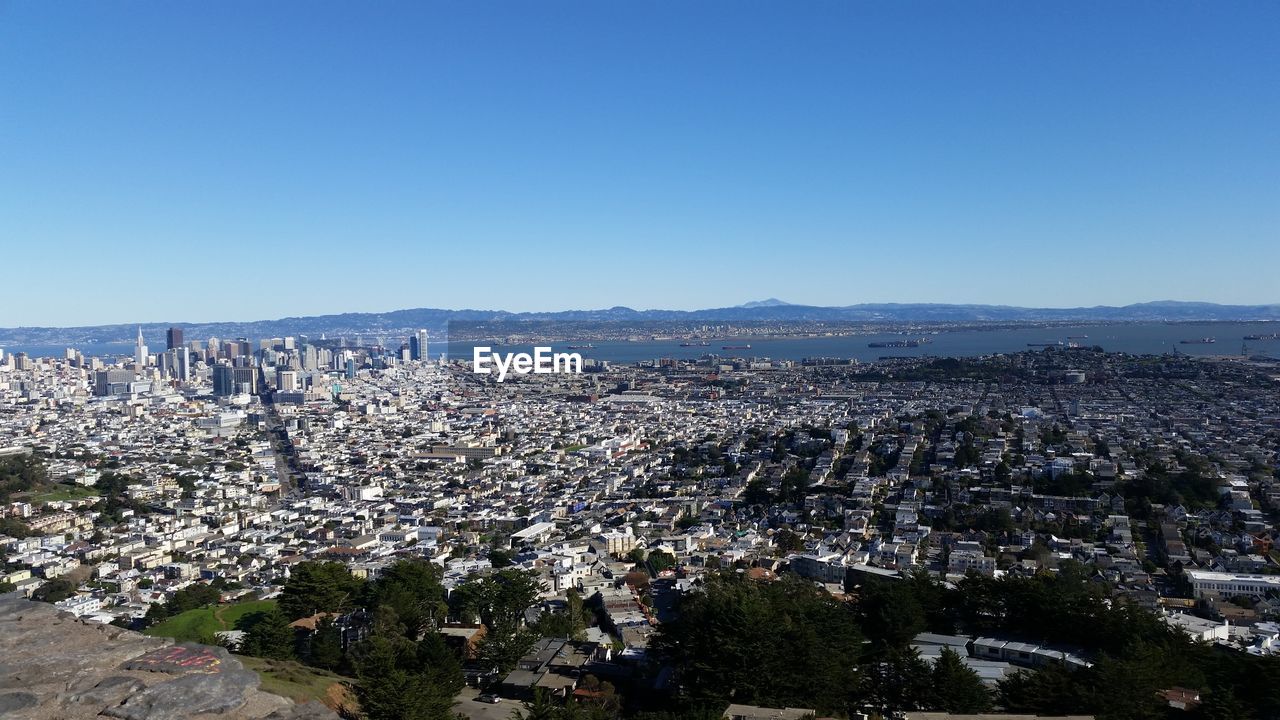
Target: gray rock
[13,702]
[54,666]
[185,659]
[190,694]
[106,692]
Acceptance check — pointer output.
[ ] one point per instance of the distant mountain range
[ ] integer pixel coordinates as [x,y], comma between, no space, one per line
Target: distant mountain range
[397,323]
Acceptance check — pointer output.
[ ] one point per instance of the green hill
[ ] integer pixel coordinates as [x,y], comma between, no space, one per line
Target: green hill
[201,624]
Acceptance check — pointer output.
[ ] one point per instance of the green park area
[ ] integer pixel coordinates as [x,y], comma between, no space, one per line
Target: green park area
[201,624]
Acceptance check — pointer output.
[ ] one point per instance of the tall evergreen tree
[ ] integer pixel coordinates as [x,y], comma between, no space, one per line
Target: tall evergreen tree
[324,648]
[956,687]
[315,587]
[399,679]
[412,588]
[781,643]
[270,636]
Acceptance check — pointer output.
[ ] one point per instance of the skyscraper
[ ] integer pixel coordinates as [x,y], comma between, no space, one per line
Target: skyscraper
[140,350]
[173,338]
[184,363]
[223,380]
[418,346]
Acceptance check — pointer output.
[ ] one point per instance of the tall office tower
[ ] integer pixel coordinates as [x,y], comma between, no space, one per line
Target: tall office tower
[168,363]
[112,382]
[229,380]
[309,357]
[184,363]
[418,345]
[211,350]
[289,343]
[174,338]
[286,380]
[140,350]
[245,379]
[224,379]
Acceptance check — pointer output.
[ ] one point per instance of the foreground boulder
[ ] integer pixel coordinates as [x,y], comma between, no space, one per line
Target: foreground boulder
[53,665]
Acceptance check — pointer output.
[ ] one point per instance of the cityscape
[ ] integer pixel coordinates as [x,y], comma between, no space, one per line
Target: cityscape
[569,530]
[581,360]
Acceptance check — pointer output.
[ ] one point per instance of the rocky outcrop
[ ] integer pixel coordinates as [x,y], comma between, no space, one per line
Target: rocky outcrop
[55,666]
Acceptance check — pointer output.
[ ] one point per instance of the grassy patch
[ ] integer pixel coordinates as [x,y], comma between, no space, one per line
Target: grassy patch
[231,614]
[200,625]
[194,625]
[300,682]
[61,492]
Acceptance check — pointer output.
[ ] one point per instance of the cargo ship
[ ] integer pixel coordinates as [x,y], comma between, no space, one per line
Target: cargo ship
[735,347]
[697,344]
[1047,344]
[588,346]
[900,343]
[1198,341]
[1272,336]
[1077,337]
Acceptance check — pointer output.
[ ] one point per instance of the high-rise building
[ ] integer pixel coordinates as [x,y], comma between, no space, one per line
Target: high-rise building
[418,345]
[168,363]
[229,380]
[286,380]
[184,363]
[140,350]
[224,378]
[173,338]
[112,382]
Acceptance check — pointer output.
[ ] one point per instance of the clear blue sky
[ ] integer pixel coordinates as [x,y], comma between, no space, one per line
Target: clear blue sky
[184,161]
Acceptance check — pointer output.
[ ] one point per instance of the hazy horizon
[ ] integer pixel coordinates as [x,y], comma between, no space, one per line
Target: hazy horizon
[231,320]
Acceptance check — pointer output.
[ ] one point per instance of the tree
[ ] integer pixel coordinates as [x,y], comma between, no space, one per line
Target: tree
[541,707]
[660,560]
[504,648]
[20,473]
[269,635]
[53,591]
[315,587]
[783,643]
[891,613]
[412,588]
[324,647]
[1050,690]
[1222,705]
[502,598]
[156,613]
[897,682]
[956,687]
[399,679]
[192,597]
